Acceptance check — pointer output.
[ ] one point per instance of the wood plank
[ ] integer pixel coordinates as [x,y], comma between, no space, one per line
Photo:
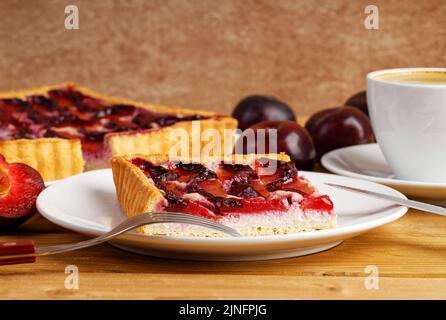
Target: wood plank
[203,286]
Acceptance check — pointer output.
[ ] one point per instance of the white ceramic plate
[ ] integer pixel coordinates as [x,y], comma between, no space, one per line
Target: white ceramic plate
[367,162]
[87,203]
[48,183]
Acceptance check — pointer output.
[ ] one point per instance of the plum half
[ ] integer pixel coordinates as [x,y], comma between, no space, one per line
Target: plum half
[19,187]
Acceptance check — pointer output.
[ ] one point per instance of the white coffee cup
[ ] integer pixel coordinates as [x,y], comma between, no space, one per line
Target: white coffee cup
[409,121]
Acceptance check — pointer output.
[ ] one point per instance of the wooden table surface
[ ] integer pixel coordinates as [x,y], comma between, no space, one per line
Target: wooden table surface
[409,254]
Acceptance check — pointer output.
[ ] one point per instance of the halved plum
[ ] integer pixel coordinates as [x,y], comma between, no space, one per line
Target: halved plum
[19,187]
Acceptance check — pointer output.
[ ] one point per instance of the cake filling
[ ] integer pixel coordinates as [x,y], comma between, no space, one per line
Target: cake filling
[70,114]
[233,189]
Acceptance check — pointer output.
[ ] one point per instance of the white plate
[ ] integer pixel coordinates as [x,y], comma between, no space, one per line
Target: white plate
[87,203]
[367,162]
[48,183]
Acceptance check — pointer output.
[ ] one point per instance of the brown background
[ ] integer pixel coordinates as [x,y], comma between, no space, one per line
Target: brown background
[209,54]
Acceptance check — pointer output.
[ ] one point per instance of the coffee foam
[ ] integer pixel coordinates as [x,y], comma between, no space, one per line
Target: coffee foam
[415,77]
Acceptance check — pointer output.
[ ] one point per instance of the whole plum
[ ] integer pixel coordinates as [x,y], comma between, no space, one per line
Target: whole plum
[359,101]
[292,139]
[257,108]
[339,127]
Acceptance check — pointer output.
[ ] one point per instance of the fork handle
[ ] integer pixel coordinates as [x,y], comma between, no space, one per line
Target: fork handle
[16,252]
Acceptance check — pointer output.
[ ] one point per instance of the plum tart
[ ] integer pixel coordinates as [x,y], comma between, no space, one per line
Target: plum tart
[61,130]
[255,194]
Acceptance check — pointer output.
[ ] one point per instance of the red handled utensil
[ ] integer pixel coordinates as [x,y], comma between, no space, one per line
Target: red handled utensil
[15,252]
[24,251]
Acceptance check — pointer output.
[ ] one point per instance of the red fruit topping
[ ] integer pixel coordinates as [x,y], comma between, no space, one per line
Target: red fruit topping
[237,172]
[318,203]
[94,118]
[213,187]
[190,207]
[254,206]
[243,190]
[192,188]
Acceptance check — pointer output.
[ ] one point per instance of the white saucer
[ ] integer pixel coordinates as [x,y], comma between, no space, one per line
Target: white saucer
[87,203]
[367,162]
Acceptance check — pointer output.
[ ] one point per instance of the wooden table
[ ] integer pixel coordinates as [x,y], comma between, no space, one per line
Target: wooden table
[410,255]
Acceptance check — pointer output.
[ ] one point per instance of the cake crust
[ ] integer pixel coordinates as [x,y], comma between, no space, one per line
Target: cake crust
[53,158]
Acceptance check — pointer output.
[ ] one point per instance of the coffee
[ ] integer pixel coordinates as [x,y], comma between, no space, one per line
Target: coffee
[415,77]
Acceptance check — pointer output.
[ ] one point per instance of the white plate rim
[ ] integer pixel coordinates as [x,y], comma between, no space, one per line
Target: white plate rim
[328,163]
[294,237]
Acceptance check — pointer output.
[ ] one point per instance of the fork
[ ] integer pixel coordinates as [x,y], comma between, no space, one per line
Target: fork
[25,251]
[401,201]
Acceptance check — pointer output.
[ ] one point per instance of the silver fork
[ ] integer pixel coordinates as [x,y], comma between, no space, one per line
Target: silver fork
[24,251]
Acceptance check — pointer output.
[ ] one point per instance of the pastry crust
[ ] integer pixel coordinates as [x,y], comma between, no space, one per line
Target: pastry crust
[137,194]
[164,141]
[146,142]
[54,158]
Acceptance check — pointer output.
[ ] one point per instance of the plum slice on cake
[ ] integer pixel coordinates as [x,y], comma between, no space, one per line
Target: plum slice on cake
[255,194]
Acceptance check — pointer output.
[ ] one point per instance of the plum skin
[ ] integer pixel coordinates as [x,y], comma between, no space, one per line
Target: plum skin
[257,108]
[339,127]
[292,139]
[359,101]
